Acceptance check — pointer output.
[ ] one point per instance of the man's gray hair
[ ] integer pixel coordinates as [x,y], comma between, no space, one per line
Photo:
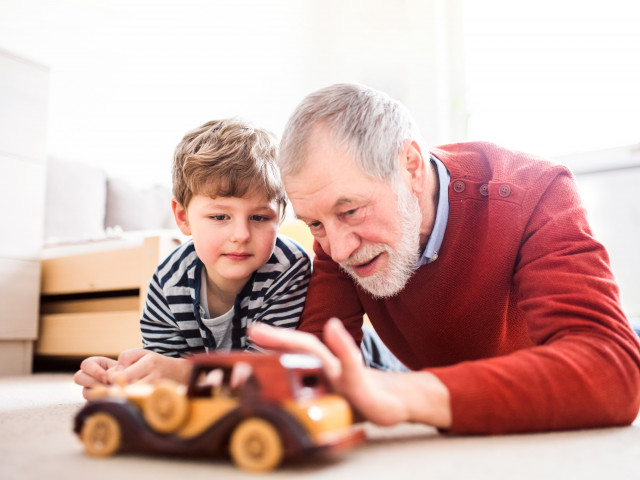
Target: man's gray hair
[370,124]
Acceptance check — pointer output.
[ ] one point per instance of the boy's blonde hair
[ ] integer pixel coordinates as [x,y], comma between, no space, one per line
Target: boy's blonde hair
[227,158]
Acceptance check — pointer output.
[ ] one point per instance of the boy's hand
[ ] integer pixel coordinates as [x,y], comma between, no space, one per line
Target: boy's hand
[140,365]
[93,373]
[135,365]
[385,398]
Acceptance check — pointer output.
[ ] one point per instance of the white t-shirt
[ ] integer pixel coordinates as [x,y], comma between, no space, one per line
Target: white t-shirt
[220,327]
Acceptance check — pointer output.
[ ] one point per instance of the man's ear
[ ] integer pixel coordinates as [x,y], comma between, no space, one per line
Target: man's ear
[414,166]
[180,214]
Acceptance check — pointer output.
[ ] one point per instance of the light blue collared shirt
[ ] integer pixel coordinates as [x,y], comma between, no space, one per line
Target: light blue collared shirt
[430,253]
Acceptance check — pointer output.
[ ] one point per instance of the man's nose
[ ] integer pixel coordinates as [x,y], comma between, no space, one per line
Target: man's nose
[341,243]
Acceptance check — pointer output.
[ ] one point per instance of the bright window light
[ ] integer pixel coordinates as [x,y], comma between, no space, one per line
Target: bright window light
[553,76]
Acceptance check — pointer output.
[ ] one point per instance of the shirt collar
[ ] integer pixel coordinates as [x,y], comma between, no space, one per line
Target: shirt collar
[430,253]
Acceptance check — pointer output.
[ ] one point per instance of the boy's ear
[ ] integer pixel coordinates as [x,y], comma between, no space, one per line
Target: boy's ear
[180,214]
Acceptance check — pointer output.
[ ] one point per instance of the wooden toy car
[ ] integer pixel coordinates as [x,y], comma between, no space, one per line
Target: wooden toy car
[282,408]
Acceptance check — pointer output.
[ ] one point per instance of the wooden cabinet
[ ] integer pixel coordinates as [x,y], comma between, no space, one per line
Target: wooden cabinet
[91,302]
[24,90]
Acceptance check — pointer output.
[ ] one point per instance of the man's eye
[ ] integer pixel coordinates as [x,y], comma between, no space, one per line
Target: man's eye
[316,229]
[353,216]
[350,214]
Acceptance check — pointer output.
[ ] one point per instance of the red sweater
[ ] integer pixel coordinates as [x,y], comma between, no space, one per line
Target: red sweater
[519,316]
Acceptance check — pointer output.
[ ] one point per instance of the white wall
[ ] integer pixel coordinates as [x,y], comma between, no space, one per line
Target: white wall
[608,181]
[130,77]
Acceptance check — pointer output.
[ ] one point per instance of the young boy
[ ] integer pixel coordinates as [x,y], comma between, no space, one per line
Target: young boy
[229,197]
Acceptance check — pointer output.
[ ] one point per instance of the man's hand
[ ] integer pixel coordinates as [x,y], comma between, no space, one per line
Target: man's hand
[384,398]
[140,365]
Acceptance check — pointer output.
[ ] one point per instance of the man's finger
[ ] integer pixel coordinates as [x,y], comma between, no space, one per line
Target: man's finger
[284,340]
[341,344]
[347,354]
[293,341]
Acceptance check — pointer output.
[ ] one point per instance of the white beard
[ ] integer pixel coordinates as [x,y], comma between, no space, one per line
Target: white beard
[402,260]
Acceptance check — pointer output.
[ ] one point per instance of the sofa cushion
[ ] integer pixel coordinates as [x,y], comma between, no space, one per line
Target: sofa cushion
[75,201]
[134,208]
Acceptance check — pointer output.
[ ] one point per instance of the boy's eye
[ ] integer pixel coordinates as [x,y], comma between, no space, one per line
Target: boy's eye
[218,218]
[259,218]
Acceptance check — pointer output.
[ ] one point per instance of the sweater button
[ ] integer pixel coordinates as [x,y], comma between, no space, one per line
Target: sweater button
[484,189]
[504,190]
[459,186]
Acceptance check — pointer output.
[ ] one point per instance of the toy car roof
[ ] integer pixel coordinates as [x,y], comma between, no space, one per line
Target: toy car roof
[297,361]
[272,371]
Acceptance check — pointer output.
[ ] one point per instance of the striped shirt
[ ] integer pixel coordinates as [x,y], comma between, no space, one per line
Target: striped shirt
[171,322]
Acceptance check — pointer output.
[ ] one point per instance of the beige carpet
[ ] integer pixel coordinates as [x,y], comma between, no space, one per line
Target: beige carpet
[36,442]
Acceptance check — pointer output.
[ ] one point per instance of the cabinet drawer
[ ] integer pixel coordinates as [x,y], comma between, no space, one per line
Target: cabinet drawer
[85,334]
[19,284]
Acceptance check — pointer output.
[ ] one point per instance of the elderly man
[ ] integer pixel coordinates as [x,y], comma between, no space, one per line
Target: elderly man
[475,264]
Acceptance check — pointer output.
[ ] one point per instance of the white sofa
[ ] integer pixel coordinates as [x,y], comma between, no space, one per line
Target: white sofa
[83,203]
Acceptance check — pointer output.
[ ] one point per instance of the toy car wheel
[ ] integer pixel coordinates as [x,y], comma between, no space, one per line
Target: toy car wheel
[256,445]
[165,410]
[101,435]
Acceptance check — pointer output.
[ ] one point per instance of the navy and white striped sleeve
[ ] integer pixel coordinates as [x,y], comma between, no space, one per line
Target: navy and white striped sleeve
[160,332]
[284,299]
[160,329]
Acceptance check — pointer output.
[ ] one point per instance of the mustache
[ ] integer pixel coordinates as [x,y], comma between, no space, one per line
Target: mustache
[364,255]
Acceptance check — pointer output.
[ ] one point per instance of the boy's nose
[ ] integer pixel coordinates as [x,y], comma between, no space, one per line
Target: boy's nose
[240,231]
